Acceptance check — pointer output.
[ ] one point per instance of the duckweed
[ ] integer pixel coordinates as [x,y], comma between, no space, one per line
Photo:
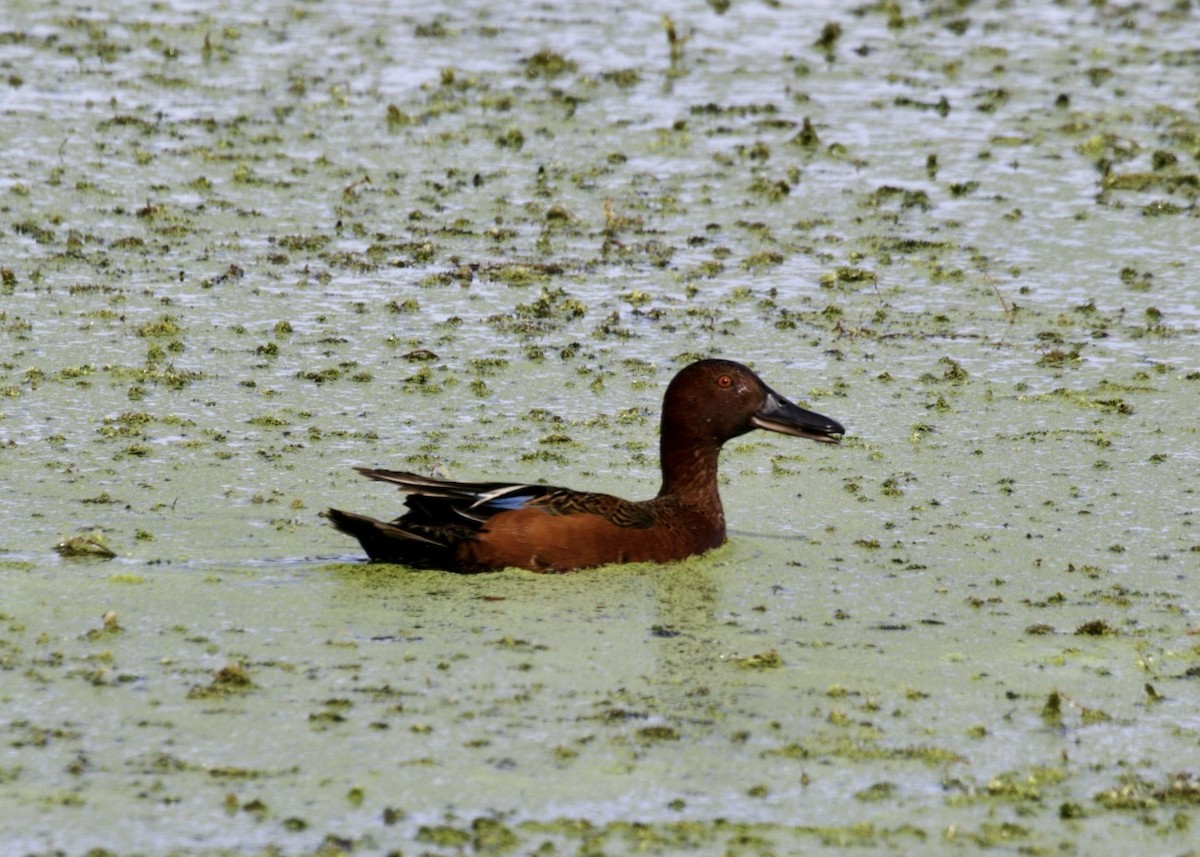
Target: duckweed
[488,269]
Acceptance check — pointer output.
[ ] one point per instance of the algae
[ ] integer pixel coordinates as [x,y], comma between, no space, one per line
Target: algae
[247,249]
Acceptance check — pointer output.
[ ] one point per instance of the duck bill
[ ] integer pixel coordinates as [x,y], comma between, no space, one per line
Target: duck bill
[778,414]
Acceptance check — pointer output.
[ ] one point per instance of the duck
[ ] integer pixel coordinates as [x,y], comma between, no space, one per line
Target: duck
[471,527]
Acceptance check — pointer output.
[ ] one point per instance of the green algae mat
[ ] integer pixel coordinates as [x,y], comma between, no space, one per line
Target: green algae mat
[246,247]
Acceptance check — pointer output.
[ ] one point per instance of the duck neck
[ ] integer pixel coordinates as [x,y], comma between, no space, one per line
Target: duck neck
[689,467]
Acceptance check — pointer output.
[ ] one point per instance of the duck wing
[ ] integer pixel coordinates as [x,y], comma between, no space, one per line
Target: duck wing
[442,502]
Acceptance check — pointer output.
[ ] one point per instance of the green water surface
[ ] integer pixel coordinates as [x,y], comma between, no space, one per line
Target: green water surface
[245,247]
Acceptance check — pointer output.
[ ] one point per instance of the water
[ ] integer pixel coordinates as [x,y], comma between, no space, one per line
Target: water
[223,262]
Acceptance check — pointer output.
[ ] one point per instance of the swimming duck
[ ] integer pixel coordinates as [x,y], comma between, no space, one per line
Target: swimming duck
[480,526]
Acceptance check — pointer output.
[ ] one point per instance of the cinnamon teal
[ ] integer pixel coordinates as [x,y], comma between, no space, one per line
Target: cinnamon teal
[480,526]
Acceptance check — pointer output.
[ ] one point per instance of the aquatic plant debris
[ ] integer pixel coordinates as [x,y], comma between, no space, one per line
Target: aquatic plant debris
[245,249]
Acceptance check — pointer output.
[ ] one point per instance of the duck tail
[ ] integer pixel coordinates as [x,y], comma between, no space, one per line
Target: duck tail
[388,542]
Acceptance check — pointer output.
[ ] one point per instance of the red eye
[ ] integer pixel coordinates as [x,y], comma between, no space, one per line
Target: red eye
[724,382]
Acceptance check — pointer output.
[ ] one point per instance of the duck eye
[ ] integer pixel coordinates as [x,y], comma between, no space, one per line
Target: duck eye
[724,382]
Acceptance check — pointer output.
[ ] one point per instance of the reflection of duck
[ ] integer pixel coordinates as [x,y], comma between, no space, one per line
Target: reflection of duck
[477,526]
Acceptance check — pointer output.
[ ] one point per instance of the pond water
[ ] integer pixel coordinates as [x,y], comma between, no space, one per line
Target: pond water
[247,246]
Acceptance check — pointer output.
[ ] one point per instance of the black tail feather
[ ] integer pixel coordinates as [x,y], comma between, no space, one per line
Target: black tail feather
[386,542]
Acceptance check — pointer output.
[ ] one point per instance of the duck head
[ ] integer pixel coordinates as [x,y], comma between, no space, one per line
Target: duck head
[712,401]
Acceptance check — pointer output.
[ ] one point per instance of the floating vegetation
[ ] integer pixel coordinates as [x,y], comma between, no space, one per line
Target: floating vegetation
[847,276]
[762,661]
[233,678]
[229,274]
[92,546]
[548,64]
